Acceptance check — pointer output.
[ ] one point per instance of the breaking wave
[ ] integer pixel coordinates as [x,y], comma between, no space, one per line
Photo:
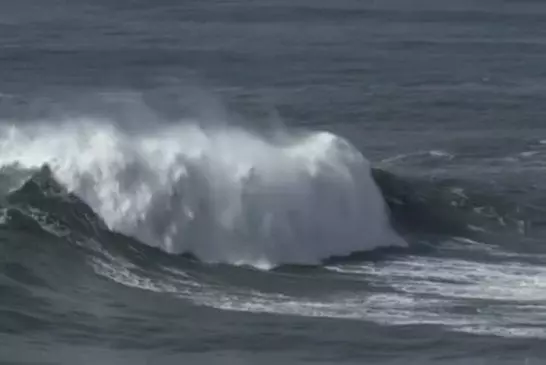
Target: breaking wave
[220,194]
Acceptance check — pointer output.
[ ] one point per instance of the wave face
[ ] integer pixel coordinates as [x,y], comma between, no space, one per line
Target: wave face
[220,194]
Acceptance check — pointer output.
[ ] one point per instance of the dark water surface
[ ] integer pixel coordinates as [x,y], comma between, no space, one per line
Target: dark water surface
[138,109]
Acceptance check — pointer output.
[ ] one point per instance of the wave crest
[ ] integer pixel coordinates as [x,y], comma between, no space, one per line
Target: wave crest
[223,194]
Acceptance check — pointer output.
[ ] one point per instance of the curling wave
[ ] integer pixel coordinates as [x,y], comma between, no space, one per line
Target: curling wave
[221,194]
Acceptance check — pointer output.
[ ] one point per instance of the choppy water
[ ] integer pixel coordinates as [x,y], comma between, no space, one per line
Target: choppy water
[293,181]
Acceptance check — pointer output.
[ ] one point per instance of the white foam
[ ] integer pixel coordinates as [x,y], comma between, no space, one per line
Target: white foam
[459,279]
[417,291]
[513,292]
[400,158]
[222,194]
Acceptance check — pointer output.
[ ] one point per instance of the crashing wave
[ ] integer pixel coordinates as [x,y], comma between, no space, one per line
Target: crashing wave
[222,195]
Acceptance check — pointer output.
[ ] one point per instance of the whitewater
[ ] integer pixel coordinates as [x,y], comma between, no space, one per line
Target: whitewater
[222,194]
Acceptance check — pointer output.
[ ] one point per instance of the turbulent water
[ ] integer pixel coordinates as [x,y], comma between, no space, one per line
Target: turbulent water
[277,182]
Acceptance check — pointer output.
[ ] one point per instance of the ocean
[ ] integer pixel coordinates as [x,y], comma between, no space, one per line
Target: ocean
[297,182]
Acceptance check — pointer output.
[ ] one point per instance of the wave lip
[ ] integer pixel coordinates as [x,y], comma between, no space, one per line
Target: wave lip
[223,195]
